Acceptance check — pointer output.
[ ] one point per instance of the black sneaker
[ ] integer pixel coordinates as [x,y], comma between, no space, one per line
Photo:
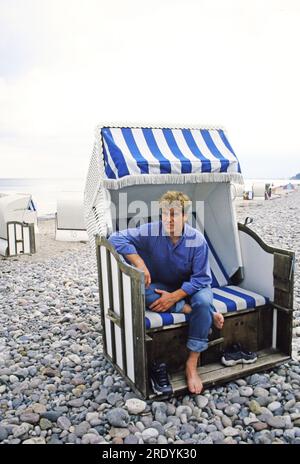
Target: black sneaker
[159,379]
[248,357]
[238,355]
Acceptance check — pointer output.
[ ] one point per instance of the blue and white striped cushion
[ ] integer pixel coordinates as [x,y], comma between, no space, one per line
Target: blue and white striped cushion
[232,298]
[226,299]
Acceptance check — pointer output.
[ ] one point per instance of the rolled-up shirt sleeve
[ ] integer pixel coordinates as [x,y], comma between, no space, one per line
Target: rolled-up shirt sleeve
[201,273]
[127,241]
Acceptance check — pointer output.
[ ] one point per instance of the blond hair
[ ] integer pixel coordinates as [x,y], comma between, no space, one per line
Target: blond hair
[173,198]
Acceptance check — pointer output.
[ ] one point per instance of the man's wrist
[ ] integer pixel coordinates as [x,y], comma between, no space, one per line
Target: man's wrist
[179,294]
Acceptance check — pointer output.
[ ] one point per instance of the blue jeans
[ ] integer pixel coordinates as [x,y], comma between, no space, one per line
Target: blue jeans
[200,319]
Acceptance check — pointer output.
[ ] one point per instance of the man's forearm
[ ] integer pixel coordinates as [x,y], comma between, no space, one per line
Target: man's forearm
[135,259]
[179,294]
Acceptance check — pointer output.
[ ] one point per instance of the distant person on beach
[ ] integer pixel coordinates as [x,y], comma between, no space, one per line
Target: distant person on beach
[270,191]
[174,258]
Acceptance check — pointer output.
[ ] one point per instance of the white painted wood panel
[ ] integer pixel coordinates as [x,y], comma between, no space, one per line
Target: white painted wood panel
[128,326]
[12,239]
[26,238]
[116,309]
[258,267]
[105,292]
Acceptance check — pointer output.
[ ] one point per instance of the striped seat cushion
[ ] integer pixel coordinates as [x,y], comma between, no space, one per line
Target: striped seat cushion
[226,299]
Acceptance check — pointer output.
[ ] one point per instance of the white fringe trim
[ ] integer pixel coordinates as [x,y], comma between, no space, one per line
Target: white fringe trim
[193,178]
[151,125]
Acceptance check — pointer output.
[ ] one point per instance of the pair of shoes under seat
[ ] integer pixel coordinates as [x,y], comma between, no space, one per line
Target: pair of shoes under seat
[225,299]
[237,354]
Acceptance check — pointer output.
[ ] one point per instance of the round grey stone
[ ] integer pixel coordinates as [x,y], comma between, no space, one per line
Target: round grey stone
[35,441]
[135,405]
[187,428]
[113,398]
[149,433]
[45,424]
[71,438]
[162,440]
[226,421]
[82,429]
[211,428]
[159,405]
[180,410]
[230,432]
[118,417]
[3,433]
[77,403]
[277,422]
[20,430]
[160,416]
[52,416]
[289,405]
[54,440]
[30,417]
[131,440]
[201,401]
[246,391]
[232,410]
[108,382]
[158,426]
[259,391]
[274,405]
[216,436]
[63,423]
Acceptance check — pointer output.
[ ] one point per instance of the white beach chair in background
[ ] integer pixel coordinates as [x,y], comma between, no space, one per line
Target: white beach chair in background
[69,224]
[18,223]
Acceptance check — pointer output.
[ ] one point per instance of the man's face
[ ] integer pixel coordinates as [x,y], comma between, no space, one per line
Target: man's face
[173,220]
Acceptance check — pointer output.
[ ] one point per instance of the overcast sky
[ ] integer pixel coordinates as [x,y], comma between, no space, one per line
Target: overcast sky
[67,65]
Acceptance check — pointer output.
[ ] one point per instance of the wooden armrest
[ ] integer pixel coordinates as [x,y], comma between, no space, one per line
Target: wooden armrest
[281,308]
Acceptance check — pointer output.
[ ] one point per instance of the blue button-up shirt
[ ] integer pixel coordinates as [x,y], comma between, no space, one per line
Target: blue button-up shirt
[181,265]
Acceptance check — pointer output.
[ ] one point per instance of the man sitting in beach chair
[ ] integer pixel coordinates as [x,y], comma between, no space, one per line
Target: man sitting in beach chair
[174,258]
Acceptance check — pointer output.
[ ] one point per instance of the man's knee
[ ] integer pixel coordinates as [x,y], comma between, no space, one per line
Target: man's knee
[202,299]
[149,290]
[150,294]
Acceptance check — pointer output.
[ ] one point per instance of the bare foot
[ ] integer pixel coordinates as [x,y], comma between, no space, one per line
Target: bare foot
[193,380]
[187,309]
[218,320]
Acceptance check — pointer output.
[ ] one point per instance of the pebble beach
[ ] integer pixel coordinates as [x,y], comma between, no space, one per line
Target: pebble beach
[57,387]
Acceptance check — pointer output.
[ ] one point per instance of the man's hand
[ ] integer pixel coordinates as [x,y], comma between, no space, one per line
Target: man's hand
[147,275]
[138,262]
[165,302]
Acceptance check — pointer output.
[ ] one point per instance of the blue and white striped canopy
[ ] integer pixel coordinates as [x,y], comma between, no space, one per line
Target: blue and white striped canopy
[140,152]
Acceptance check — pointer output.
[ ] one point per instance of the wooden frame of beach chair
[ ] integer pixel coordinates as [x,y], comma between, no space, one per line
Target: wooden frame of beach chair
[266,329]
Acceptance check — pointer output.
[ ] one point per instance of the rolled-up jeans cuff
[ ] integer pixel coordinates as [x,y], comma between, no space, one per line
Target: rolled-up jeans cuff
[197,345]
